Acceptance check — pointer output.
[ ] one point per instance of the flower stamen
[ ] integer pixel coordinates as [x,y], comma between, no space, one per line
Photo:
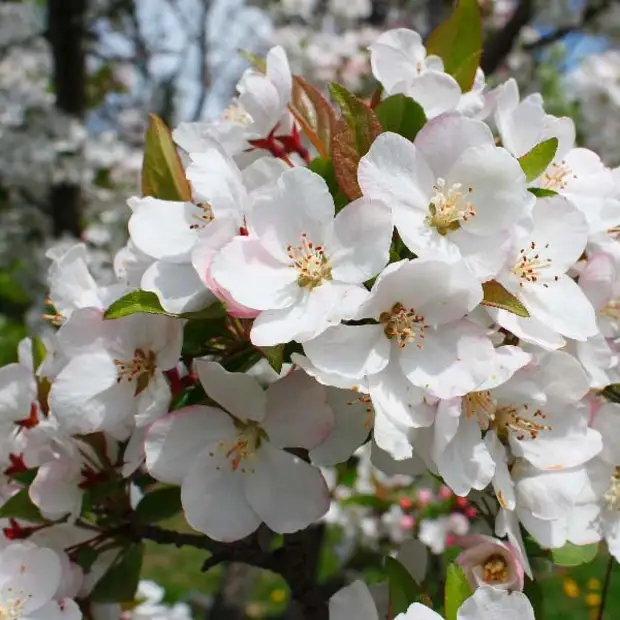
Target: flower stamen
[403,325]
[448,207]
[556,177]
[310,261]
[530,263]
[141,369]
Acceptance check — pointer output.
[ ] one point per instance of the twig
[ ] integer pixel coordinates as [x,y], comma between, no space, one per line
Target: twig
[601,609]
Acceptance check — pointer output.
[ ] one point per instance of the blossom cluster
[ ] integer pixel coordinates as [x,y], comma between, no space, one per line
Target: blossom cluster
[444,287]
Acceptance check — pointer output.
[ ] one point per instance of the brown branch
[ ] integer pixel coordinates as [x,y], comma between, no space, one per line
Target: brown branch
[500,43]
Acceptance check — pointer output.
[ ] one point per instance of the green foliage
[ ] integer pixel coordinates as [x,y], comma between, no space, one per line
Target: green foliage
[496,296]
[20,506]
[403,589]
[324,167]
[159,504]
[536,161]
[402,115]
[457,591]
[162,173]
[120,582]
[539,192]
[458,41]
[274,355]
[574,555]
[147,302]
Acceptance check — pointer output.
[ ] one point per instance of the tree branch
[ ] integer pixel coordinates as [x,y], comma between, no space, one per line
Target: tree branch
[203,69]
[591,12]
[500,43]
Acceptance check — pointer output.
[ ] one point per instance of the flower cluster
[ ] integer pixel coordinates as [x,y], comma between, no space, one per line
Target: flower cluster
[434,273]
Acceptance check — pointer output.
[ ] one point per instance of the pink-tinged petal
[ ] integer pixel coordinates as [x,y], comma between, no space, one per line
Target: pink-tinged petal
[489,602]
[174,441]
[361,243]
[298,209]
[213,497]
[236,392]
[528,329]
[298,415]
[353,603]
[286,492]
[177,287]
[502,480]
[563,307]
[394,172]
[55,489]
[61,609]
[253,277]
[164,229]
[507,524]
[598,278]
[350,351]
[444,140]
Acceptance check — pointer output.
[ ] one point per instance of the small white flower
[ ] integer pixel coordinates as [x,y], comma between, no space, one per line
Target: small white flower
[234,471]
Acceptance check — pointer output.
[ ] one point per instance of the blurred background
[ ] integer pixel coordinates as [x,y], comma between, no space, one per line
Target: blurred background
[77,81]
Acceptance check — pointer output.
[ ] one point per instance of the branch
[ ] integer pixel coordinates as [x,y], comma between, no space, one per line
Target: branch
[295,560]
[591,12]
[203,69]
[606,584]
[500,44]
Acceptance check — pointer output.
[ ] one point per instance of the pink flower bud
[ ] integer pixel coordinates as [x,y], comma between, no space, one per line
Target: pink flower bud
[424,497]
[489,561]
[462,502]
[405,503]
[445,492]
[407,522]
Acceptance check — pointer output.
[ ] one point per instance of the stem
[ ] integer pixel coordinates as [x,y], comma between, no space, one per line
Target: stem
[601,609]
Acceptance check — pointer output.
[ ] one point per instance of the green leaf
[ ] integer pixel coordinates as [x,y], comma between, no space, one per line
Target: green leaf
[147,302]
[536,596]
[25,477]
[457,591]
[353,135]
[260,64]
[85,557]
[162,172]
[402,588]
[314,113]
[324,167]
[574,555]
[496,296]
[38,352]
[274,355]
[20,506]
[536,161]
[402,115]
[159,504]
[539,192]
[458,41]
[120,583]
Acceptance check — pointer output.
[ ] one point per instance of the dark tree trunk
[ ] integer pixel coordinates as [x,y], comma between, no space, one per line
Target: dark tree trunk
[67,28]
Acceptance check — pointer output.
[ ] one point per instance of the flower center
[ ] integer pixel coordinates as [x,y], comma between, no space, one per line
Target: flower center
[532,265]
[236,115]
[521,420]
[556,177]
[403,325]
[480,405]
[11,607]
[140,369]
[612,495]
[495,570]
[311,263]
[449,207]
[203,217]
[243,448]
[611,309]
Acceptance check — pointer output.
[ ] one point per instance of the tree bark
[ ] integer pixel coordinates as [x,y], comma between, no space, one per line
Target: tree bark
[66,31]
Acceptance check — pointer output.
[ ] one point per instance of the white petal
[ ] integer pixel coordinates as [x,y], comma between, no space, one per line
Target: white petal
[55,490]
[214,499]
[298,415]
[17,392]
[236,392]
[174,441]
[350,351]
[417,611]
[286,492]
[298,204]
[279,72]
[177,286]
[266,283]
[491,603]
[436,92]
[362,238]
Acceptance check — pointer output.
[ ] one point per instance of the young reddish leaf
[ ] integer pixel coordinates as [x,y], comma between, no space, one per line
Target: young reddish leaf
[353,135]
[162,173]
[458,41]
[314,114]
[496,296]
